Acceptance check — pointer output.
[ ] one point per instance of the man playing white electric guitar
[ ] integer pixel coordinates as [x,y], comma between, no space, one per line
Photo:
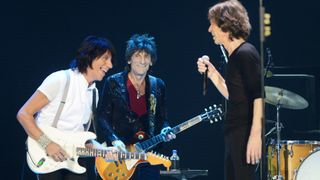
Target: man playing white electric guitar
[66,100]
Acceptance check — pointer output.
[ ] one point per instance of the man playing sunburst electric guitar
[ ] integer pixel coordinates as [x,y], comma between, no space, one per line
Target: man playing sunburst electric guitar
[132,109]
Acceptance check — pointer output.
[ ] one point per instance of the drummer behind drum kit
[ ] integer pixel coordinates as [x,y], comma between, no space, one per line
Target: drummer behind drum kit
[290,160]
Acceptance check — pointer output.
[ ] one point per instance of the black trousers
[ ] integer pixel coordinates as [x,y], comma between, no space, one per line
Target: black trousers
[146,171]
[236,167]
[63,174]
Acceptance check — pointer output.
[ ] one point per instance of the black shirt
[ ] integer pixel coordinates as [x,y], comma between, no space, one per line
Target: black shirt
[243,80]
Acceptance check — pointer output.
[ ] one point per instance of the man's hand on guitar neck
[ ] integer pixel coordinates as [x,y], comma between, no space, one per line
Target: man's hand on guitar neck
[167,134]
[111,154]
[120,145]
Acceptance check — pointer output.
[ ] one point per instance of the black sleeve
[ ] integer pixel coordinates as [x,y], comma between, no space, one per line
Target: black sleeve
[104,110]
[161,107]
[250,68]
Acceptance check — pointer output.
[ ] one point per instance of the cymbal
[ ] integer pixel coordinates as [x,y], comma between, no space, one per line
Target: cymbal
[284,98]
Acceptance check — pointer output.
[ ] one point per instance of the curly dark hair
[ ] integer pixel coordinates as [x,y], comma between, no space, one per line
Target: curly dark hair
[142,42]
[232,17]
[92,47]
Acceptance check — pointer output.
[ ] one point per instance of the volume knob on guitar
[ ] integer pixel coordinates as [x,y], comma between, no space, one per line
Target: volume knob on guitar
[140,135]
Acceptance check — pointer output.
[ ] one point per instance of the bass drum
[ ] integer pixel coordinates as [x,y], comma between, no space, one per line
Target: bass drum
[292,152]
[310,167]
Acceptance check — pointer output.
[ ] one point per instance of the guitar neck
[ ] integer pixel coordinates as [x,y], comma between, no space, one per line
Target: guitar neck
[85,152]
[187,124]
[177,129]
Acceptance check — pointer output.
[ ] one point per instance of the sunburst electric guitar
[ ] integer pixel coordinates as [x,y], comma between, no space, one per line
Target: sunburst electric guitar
[123,170]
[74,145]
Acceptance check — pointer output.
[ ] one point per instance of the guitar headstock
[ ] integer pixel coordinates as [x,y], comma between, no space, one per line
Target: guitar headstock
[212,113]
[156,159]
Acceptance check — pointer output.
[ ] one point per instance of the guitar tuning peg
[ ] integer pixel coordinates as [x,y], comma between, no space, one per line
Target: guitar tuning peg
[211,122]
[210,108]
[214,105]
[205,109]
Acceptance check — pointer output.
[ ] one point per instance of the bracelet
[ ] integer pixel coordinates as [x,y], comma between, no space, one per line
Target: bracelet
[44,141]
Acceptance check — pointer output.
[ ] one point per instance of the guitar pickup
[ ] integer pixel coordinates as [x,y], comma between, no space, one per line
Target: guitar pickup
[40,162]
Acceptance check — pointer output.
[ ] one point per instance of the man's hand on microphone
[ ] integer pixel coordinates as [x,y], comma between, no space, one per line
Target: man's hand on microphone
[204,64]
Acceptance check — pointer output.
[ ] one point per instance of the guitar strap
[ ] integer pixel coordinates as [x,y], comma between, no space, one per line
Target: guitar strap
[63,100]
[153,103]
[92,116]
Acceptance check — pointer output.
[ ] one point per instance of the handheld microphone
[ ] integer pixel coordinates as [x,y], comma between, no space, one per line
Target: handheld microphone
[205,77]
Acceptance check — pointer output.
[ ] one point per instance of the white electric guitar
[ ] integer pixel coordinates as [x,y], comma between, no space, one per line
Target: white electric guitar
[72,142]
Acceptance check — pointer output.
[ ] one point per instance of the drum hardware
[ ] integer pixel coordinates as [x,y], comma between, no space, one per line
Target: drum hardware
[301,159]
[282,99]
[274,128]
[290,152]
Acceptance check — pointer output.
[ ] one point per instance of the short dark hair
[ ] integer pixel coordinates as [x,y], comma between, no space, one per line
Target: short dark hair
[92,47]
[142,42]
[232,17]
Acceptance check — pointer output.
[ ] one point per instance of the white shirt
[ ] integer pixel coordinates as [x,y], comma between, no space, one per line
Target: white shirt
[77,109]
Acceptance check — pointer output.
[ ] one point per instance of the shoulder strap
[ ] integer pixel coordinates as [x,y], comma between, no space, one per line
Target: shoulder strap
[153,103]
[88,126]
[63,101]
[153,85]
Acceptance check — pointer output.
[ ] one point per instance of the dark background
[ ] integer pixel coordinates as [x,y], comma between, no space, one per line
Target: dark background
[40,37]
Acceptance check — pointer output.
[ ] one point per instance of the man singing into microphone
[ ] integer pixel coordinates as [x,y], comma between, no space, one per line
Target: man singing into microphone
[230,27]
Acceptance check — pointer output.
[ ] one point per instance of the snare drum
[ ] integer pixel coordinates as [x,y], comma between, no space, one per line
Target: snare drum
[310,167]
[291,155]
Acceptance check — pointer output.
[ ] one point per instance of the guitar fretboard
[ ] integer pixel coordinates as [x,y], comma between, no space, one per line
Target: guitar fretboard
[185,125]
[212,113]
[85,152]
[177,129]
[131,155]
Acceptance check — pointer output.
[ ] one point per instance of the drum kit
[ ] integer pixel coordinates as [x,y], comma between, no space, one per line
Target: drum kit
[290,159]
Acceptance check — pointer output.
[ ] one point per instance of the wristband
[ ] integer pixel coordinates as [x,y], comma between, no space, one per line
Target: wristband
[44,141]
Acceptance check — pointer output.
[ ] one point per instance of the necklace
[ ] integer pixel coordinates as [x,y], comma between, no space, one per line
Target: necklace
[136,86]
[138,94]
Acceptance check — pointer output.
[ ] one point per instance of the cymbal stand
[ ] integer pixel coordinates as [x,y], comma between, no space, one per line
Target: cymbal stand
[278,127]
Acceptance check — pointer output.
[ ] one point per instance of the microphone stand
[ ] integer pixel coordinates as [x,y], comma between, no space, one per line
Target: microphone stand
[278,127]
[269,63]
[263,167]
